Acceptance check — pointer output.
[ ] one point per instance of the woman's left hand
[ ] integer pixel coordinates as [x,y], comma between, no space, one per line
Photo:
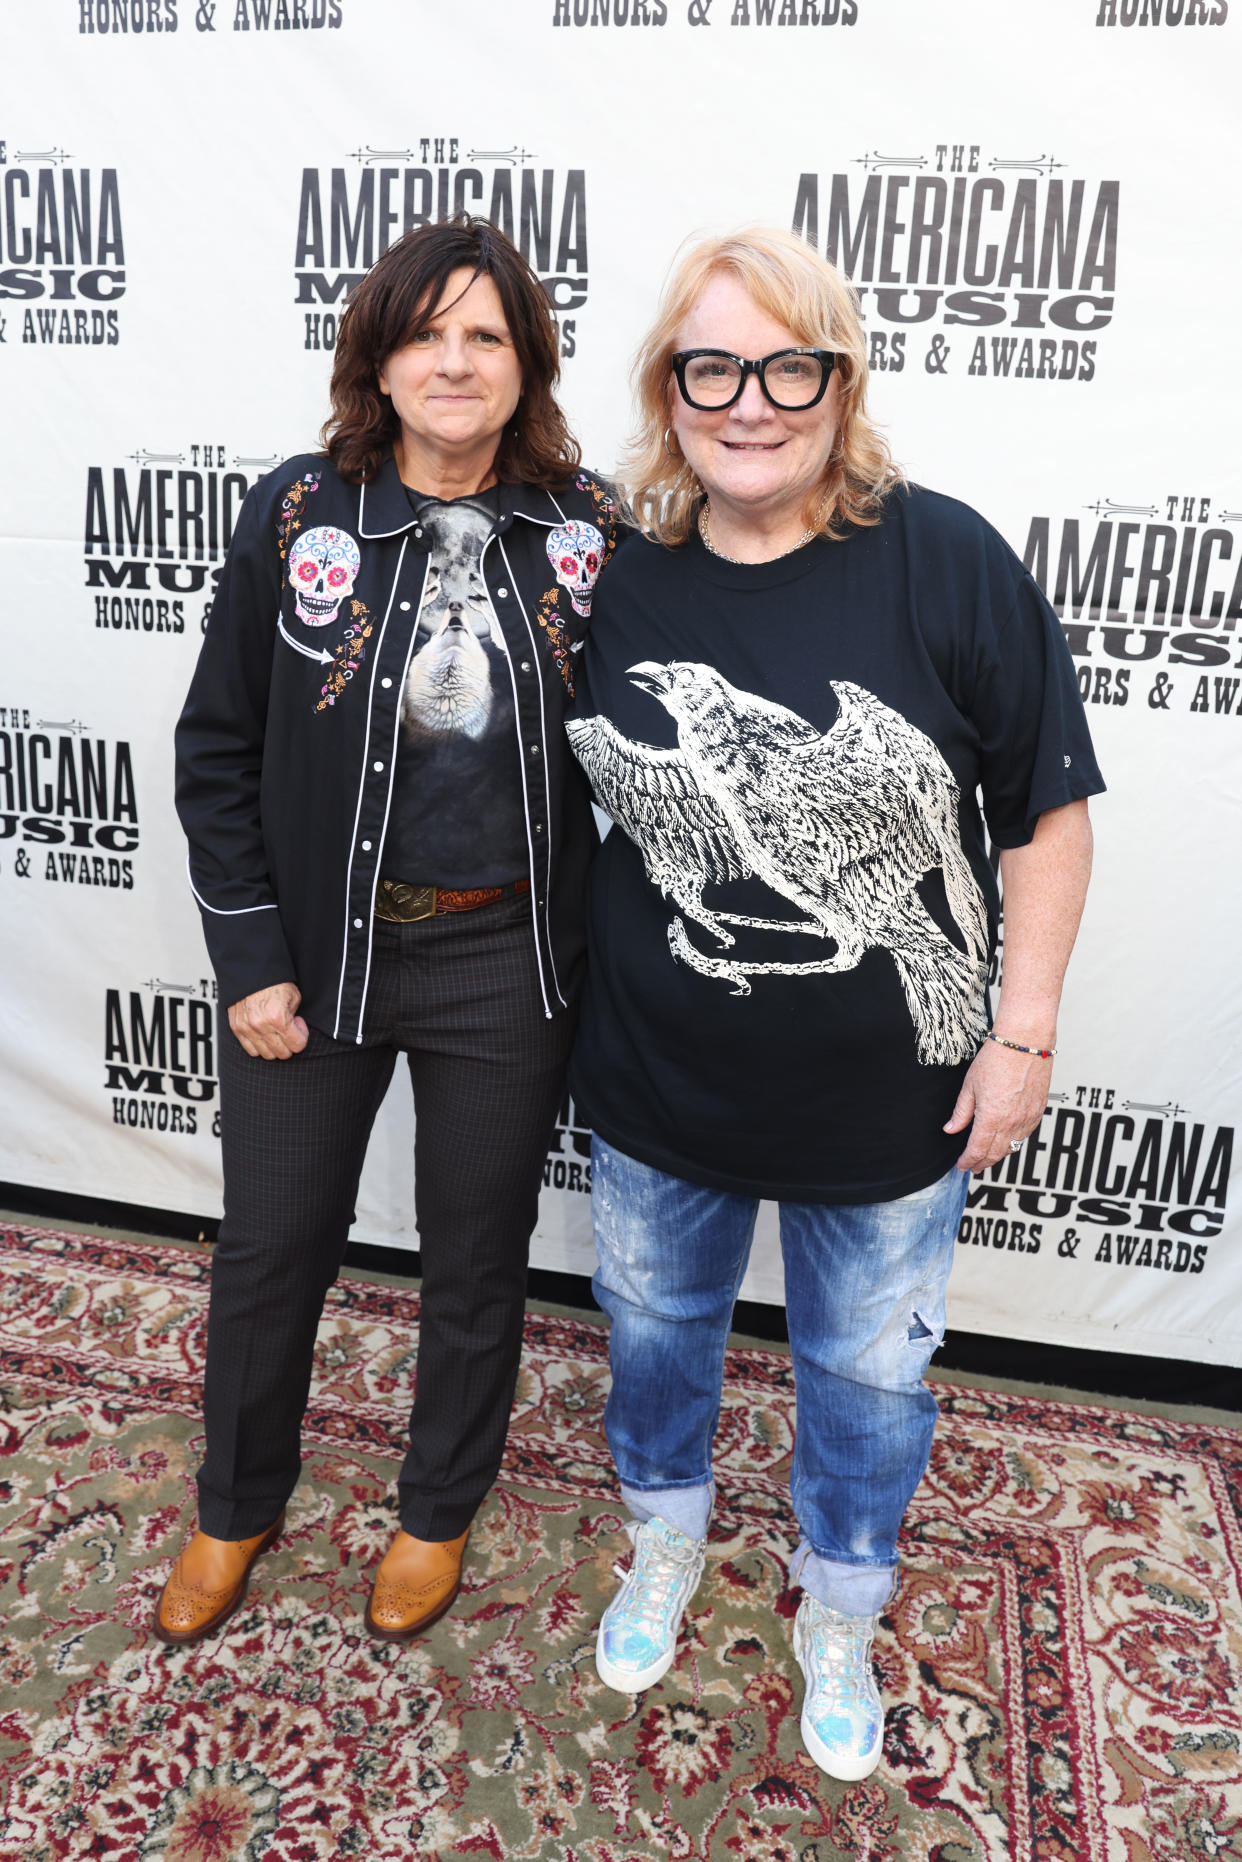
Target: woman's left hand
[1044,884]
[1004,1094]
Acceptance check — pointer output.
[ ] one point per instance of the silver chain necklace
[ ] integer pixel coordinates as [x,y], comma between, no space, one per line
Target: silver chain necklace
[705,533]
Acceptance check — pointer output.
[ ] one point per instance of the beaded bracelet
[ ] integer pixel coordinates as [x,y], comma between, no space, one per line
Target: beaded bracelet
[1041,1053]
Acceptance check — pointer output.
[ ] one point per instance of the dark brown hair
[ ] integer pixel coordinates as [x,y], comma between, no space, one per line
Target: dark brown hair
[396,300]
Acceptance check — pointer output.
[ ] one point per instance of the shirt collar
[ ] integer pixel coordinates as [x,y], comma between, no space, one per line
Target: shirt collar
[384,510]
[532,503]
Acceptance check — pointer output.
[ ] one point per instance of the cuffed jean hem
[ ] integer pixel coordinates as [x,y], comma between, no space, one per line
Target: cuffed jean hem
[855,1590]
[686,1508]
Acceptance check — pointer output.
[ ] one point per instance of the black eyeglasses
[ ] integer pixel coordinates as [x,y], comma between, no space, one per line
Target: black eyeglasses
[710,379]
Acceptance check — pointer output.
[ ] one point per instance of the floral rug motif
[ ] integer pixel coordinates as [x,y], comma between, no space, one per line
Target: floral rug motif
[1062,1667]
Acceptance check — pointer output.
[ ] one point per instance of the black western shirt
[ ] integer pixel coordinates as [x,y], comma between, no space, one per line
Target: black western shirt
[287,745]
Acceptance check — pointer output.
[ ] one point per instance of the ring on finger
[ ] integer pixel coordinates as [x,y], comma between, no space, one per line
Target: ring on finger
[1015,1144]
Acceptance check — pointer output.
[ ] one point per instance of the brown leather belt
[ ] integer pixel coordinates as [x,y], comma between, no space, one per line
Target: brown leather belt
[400,904]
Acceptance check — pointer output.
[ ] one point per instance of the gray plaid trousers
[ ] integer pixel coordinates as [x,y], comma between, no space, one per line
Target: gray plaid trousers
[459,995]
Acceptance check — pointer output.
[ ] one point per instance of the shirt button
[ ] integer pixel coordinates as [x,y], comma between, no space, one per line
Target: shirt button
[366,846]
[405,607]
[502,592]
[539,827]
[418,533]
[534,749]
[357,924]
[385,683]
[377,767]
[525,665]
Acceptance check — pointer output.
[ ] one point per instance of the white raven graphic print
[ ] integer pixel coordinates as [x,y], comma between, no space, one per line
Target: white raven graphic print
[843,824]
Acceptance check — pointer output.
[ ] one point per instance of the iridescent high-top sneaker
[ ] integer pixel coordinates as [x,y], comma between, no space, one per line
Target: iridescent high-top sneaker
[842,1715]
[638,1635]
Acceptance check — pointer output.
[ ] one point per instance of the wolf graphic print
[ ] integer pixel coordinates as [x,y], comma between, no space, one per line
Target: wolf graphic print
[842,824]
[449,686]
[457,816]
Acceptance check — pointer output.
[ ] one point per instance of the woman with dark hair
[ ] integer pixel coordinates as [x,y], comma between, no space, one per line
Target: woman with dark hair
[388,840]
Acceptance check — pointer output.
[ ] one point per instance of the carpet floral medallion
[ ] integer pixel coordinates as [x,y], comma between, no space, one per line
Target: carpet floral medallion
[1062,1667]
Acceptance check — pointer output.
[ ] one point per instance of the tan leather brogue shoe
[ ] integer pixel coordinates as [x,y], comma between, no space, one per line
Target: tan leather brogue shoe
[207,1583]
[414,1586]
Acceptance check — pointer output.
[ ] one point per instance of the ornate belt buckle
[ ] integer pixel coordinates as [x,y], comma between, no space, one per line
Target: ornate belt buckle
[407,903]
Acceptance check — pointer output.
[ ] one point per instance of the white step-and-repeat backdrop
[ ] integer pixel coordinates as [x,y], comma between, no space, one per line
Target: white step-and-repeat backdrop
[1035,201]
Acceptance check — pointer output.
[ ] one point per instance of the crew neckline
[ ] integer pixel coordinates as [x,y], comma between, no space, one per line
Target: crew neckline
[774,573]
[419,500]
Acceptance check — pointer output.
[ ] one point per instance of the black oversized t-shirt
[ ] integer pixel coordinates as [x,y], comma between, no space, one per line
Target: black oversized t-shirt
[457,817]
[790,929]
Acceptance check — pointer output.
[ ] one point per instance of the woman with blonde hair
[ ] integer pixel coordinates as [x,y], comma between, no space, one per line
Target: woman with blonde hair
[807,687]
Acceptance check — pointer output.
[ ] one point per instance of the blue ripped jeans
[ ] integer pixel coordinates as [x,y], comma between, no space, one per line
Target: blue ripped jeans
[864,1299]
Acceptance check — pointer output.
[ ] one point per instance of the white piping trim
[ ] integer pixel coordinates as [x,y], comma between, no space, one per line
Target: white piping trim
[517,726]
[362,777]
[547,792]
[545,523]
[218,911]
[371,535]
[393,754]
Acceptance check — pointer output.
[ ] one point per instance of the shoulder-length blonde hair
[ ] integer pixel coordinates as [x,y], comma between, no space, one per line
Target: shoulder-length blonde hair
[787,278]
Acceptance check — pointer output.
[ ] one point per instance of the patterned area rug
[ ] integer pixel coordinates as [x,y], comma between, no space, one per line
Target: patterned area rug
[1062,1665]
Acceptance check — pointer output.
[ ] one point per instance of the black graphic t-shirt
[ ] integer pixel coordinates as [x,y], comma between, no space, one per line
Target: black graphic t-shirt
[457,817]
[792,923]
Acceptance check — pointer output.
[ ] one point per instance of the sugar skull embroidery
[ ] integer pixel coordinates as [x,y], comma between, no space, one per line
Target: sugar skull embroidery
[323,566]
[576,552]
[347,655]
[292,510]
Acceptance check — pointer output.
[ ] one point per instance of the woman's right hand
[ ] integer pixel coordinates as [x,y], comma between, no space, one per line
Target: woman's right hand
[267,1023]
